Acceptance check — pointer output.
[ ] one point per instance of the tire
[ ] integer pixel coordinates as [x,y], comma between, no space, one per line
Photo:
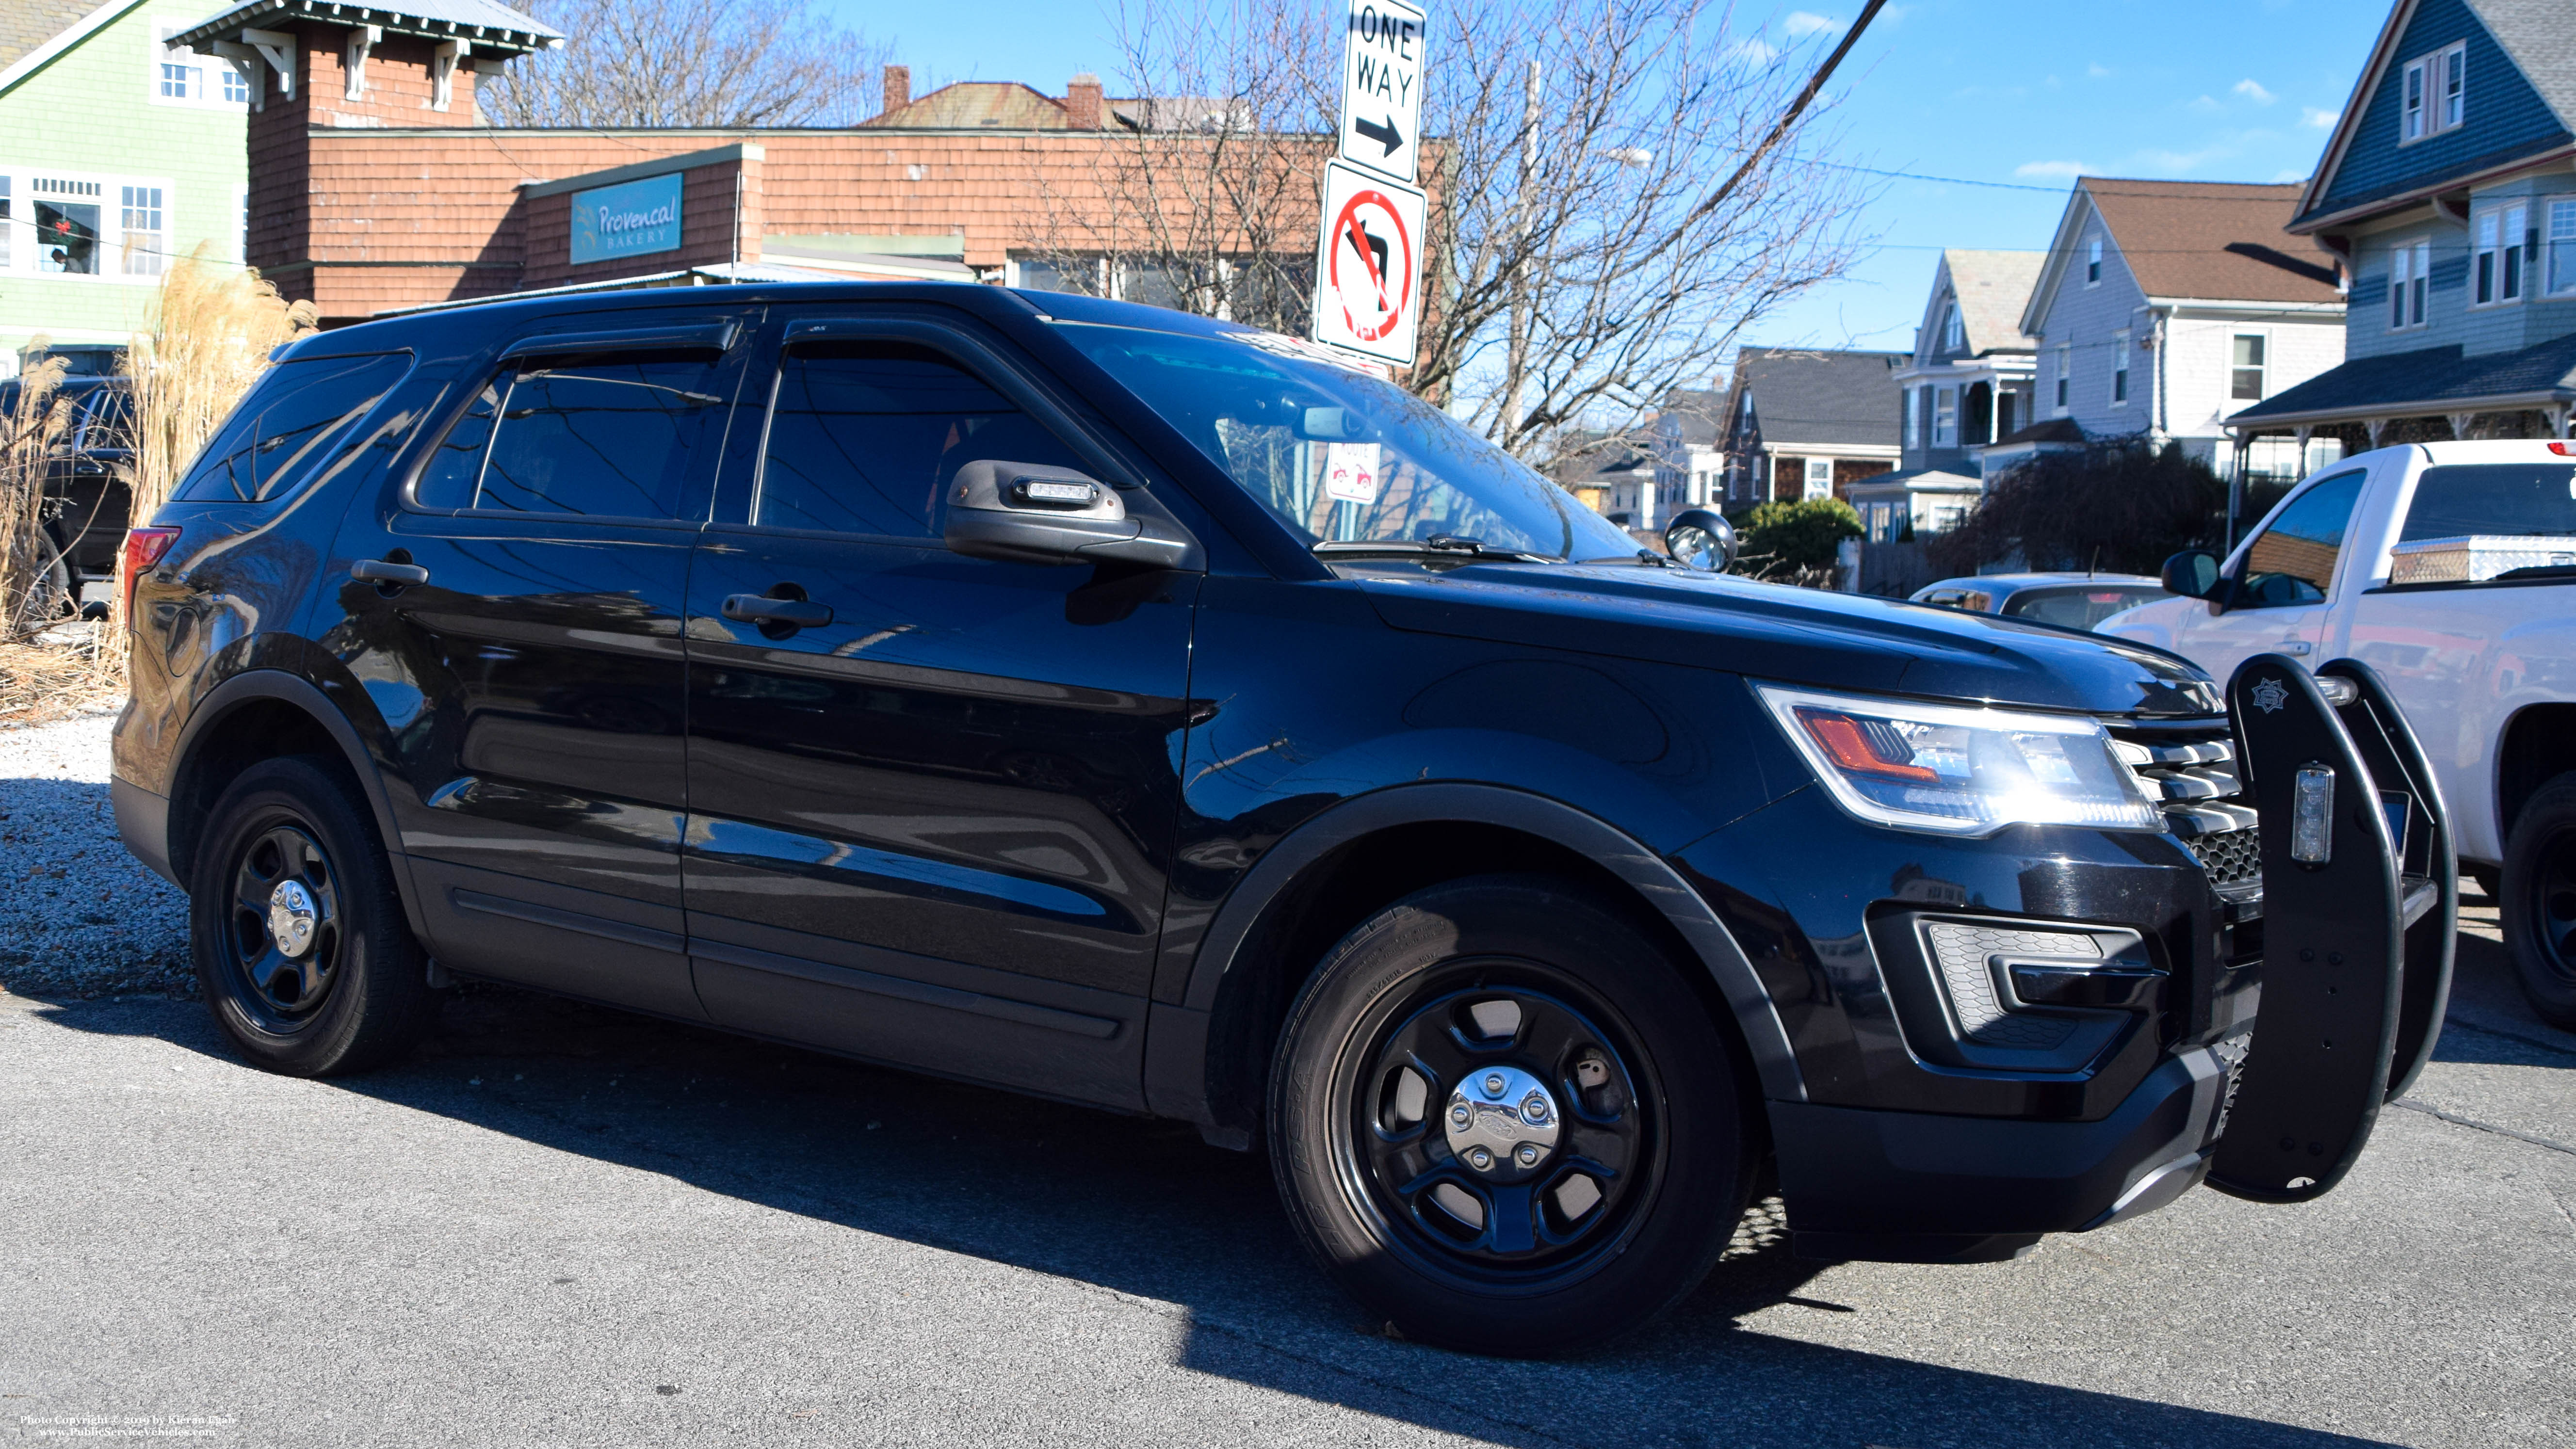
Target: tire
[357,994]
[2538,905]
[1642,1145]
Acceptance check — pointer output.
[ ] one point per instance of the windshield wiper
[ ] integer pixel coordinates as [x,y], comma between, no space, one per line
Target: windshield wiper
[1442,545]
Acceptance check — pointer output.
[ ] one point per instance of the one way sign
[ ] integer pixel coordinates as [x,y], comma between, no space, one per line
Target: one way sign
[1382,89]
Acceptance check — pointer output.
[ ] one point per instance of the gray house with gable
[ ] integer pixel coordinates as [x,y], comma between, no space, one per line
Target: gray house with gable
[2450,187]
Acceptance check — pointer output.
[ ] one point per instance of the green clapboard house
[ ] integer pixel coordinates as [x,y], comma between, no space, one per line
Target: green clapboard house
[118,154]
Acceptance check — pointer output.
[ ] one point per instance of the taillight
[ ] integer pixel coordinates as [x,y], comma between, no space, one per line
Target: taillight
[2564,450]
[144,547]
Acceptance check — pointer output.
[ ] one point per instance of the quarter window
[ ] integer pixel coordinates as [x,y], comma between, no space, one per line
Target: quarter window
[287,428]
[591,437]
[2245,377]
[864,437]
[2293,562]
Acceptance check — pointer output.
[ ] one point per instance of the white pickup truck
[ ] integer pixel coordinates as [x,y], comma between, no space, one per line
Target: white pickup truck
[2450,568]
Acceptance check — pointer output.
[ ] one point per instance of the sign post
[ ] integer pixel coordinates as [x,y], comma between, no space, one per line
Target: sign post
[1368,260]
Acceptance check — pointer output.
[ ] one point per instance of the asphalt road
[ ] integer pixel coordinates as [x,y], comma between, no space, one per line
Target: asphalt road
[565,1226]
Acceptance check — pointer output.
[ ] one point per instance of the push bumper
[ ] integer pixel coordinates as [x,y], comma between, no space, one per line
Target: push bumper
[143,823]
[1916,1187]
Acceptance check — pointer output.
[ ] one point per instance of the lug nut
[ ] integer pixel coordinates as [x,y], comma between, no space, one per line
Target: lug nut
[1479,1159]
[1528,1154]
[1494,1084]
[1463,1115]
[1534,1109]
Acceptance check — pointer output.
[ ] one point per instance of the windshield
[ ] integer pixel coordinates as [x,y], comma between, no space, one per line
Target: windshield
[2079,608]
[1339,456]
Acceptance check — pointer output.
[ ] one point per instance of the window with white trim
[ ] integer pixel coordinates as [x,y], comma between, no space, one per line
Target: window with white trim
[8,225]
[2245,373]
[84,224]
[141,244]
[2410,264]
[2120,370]
[1820,478]
[2560,278]
[1945,417]
[1908,395]
[183,77]
[2503,243]
[2065,373]
[2093,262]
[2433,93]
[1954,337]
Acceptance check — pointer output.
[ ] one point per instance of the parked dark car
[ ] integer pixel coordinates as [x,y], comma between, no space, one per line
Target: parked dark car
[1005,686]
[2070,600]
[87,501]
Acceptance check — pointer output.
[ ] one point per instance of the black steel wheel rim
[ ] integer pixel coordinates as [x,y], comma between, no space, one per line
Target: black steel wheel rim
[2553,903]
[1507,1225]
[283,931]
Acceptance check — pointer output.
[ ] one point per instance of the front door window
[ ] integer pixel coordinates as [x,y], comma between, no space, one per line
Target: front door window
[2293,562]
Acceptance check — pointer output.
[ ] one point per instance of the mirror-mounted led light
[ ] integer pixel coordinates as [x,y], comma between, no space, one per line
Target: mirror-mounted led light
[2312,815]
[1048,494]
[1958,770]
[2338,691]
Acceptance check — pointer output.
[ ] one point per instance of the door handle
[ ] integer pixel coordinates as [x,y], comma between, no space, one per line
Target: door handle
[2294,646]
[384,571]
[776,613]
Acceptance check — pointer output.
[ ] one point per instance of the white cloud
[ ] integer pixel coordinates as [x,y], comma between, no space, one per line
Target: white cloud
[1755,49]
[2289,173]
[2252,90]
[2097,70]
[2184,160]
[1803,23]
[2067,170]
[2203,105]
[2321,120]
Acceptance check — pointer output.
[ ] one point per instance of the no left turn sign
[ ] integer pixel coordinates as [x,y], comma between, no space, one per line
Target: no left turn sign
[1368,267]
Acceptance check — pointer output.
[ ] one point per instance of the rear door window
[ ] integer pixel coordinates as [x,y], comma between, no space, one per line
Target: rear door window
[864,436]
[2493,498]
[2293,562]
[295,418]
[590,437]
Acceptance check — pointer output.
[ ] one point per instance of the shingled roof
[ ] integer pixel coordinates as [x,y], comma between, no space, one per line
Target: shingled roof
[27,24]
[2219,240]
[973,105]
[1993,288]
[1806,396]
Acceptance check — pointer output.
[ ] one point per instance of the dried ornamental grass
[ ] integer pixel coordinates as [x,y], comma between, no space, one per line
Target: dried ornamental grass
[28,432]
[213,327]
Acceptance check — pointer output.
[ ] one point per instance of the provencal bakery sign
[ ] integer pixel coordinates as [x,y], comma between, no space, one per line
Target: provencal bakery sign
[626,221]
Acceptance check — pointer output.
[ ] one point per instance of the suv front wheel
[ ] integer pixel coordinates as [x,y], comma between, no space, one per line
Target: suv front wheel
[299,936]
[1501,1119]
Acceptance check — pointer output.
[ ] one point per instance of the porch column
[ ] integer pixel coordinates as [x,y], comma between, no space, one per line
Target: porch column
[2235,487]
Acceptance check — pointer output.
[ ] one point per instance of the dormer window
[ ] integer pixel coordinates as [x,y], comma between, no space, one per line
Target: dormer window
[2093,262]
[2433,94]
[1954,337]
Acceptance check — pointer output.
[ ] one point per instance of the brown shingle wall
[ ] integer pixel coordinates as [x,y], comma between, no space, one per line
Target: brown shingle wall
[441,200]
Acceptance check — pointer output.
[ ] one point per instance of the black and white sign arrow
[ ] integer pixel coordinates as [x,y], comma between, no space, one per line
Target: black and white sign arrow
[1384,133]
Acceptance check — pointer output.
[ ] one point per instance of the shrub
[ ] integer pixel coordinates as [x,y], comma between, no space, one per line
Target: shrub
[1781,537]
[2120,505]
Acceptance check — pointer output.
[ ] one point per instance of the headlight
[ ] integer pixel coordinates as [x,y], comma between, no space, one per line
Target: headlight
[1960,771]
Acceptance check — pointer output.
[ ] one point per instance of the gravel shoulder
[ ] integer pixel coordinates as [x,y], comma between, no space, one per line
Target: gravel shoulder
[79,917]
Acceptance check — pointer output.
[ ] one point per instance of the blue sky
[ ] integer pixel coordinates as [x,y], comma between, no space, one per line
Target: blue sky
[2022,92]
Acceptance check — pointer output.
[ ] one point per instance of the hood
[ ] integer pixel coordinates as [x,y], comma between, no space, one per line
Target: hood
[1795,636]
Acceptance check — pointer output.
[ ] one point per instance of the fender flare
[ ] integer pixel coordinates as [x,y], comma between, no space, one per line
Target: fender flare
[1177,1047]
[294,689]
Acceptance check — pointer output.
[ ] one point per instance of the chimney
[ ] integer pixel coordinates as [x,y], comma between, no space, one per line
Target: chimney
[898,89]
[1082,102]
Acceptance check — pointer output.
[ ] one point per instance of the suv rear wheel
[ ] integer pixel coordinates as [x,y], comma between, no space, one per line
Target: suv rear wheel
[2537,906]
[1500,1119]
[298,933]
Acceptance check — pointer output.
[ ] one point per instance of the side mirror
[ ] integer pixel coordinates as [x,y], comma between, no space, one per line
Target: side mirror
[2192,573]
[1701,539]
[1041,514]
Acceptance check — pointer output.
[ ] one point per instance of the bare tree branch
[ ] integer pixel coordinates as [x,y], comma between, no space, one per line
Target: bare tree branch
[707,63]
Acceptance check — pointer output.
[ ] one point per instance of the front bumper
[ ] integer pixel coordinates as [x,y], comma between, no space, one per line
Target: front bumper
[1918,1187]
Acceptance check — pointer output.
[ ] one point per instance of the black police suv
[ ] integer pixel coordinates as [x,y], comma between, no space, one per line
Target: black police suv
[1152,713]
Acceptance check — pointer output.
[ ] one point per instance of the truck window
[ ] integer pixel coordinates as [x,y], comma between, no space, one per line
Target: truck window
[593,437]
[2079,608]
[288,423]
[2492,498]
[2293,561]
[864,435]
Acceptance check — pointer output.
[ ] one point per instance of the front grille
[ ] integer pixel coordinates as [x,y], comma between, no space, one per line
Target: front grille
[2230,856]
[2188,767]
